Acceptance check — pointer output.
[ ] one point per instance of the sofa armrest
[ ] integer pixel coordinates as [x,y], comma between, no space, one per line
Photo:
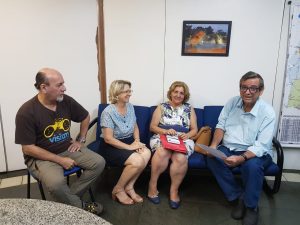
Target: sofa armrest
[274,188]
[279,151]
[93,122]
[94,145]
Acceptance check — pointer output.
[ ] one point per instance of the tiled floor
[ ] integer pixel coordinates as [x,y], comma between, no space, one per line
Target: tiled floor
[22,179]
[203,202]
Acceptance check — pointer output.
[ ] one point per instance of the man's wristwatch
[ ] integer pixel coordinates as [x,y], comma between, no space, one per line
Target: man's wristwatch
[244,156]
[80,139]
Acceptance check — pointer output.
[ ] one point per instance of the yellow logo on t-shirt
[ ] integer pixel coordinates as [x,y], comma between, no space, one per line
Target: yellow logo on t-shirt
[59,124]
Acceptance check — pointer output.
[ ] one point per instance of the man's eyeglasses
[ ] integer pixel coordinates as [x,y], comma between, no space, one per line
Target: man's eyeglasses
[127,92]
[252,89]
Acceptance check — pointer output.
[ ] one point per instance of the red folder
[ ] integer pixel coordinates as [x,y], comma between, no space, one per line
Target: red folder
[171,146]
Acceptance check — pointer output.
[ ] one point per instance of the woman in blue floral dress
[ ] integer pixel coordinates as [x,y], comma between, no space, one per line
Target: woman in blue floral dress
[175,117]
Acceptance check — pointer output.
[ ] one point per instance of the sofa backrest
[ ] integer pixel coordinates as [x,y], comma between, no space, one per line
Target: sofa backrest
[211,115]
[143,118]
[199,114]
[205,117]
[100,110]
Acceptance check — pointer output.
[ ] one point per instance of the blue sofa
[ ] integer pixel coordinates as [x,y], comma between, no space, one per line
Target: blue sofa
[208,116]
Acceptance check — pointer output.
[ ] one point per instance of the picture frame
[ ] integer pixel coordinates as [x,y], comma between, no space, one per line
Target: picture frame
[206,38]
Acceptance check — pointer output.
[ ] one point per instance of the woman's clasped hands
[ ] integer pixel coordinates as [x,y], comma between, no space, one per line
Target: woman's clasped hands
[137,146]
[183,136]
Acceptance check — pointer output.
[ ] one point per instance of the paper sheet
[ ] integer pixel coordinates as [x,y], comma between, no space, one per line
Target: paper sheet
[213,151]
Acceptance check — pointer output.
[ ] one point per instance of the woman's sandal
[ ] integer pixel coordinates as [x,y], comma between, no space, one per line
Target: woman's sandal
[134,196]
[125,201]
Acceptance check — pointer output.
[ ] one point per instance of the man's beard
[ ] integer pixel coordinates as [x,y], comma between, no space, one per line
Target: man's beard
[60,98]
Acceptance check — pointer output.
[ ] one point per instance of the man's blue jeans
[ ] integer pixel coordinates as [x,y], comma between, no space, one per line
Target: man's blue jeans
[252,174]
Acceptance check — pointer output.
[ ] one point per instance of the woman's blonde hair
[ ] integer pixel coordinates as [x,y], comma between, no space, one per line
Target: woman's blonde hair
[116,88]
[176,84]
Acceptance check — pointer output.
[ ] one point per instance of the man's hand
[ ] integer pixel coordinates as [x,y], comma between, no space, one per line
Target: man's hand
[233,160]
[67,163]
[210,155]
[75,146]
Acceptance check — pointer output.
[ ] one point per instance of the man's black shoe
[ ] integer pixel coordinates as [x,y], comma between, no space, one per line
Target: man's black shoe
[93,207]
[251,217]
[238,211]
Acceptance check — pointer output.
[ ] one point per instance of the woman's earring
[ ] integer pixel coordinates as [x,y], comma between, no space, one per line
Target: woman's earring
[117,98]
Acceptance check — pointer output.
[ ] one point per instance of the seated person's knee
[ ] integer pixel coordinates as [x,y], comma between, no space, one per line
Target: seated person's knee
[56,184]
[100,164]
[179,159]
[137,161]
[162,153]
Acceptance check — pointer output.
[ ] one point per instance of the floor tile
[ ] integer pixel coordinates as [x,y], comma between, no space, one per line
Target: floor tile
[276,216]
[203,202]
[292,177]
[288,197]
[273,178]
[24,180]
[10,182]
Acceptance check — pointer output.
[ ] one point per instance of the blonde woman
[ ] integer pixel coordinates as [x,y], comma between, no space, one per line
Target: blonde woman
[120,142]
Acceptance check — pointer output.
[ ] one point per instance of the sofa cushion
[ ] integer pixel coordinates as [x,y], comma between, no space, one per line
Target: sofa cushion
[197,161]
[94,146]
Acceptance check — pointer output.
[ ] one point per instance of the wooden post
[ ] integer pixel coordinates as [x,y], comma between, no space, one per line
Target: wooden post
[101,53]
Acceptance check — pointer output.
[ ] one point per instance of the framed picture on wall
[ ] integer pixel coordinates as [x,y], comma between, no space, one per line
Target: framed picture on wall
[206,38]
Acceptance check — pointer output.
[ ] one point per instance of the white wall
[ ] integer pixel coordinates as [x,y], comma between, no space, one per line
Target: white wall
[134,45]
[143,44]
[254,46]
[2,152]
[45,33]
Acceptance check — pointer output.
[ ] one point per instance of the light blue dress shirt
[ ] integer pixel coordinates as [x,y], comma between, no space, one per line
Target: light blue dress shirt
[252,130]
[122,125]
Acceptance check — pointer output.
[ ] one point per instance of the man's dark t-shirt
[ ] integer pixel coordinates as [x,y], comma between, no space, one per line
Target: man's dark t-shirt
[50,130]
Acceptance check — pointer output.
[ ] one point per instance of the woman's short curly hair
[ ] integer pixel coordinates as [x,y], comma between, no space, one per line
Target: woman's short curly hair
[116,88]
[176,84]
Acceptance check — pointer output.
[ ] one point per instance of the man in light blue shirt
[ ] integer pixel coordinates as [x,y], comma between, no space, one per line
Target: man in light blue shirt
[245,128]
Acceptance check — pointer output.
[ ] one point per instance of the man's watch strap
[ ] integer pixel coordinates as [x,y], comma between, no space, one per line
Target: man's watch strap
[244,156]
[81,139]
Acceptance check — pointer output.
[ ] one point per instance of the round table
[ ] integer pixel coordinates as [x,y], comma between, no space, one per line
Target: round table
[34,211]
